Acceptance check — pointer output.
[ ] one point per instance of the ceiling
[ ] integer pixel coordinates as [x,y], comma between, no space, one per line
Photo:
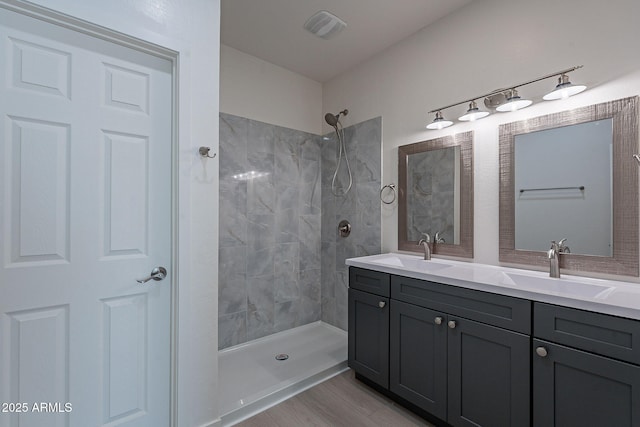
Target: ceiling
[272,30]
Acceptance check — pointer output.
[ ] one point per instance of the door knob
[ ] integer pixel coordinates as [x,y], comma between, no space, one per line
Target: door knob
[381,304]
[158,273]
[438,320]
[452,324]
[541,351]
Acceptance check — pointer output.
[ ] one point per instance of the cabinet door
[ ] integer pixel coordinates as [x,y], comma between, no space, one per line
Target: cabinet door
[489,375]
[369,336]
[417,356]
[575,388]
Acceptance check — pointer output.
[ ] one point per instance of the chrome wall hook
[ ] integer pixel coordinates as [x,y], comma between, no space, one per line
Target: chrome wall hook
[637,157]
[204,152]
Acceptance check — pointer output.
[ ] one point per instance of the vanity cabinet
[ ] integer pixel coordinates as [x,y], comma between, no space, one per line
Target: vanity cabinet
[451,354]
[586,368]
[368,325]
[459,354]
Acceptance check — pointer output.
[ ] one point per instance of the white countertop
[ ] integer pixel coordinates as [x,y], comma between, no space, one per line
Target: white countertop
[603,296]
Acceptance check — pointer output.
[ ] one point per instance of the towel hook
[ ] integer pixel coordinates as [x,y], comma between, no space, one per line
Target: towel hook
[204,152]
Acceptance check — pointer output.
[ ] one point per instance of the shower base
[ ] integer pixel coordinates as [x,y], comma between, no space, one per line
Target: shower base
[252,380]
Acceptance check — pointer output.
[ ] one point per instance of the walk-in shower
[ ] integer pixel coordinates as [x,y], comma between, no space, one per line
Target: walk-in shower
[334,120]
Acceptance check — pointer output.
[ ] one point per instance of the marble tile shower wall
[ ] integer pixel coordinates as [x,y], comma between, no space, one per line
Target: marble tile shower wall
[270,229]
[281,260]
[360,206]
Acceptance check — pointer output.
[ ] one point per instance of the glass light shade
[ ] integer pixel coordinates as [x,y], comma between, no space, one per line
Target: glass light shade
[439,122]
[514,102]
[473,113]
[564,89]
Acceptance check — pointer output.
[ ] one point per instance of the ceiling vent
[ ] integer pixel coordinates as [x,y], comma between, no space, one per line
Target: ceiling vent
[324,25]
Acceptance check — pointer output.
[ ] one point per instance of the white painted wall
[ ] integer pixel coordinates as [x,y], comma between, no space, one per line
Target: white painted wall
[485,46]
[259,90]
[191,29]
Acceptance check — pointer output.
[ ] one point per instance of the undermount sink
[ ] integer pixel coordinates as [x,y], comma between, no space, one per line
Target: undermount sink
[621,297]
[411,263]
[563,286]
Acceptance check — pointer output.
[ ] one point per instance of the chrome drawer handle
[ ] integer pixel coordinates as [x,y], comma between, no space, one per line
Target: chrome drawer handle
[438,320]
[381,304]
[452,324]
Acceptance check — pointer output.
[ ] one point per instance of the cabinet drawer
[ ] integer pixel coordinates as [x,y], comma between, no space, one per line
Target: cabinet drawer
[370,281]
[602,334]
[498,310]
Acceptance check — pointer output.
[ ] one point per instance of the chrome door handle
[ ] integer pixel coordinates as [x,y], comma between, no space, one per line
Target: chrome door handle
[158,273]
[438,320]
[381,304]
[541,351]
[452,324]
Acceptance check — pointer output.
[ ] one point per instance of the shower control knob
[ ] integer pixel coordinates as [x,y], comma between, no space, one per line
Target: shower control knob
[381,304]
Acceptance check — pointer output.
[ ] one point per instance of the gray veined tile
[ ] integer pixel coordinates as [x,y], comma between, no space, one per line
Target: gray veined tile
[329,310]
[232,262]
[232,295]
[287,226]
[261,137]
[310,147]
[232,329]
[310,284]
[260,262]
[260,231]
[286,316]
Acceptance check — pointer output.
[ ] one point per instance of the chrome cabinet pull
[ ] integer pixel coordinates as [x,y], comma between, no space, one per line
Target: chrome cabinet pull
[541,351]
[381,304]
[158,273]
[452,324]
[438,320]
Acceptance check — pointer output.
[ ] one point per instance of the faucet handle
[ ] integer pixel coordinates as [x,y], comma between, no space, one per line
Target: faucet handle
[427,238]
[562,248]
[437,238]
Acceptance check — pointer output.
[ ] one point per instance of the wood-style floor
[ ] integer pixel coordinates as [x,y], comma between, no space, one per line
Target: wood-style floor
[340,401]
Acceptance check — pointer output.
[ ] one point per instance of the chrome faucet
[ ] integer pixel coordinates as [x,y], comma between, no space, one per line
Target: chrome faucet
[553,255]
[425,242]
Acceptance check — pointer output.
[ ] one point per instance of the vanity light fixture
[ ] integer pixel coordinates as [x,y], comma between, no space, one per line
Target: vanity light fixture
[505,100]
[439,122]
[473,113]
[514,102]
[564,89]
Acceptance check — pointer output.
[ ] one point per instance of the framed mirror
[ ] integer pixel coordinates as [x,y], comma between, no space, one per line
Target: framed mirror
[435,179]
[572,175]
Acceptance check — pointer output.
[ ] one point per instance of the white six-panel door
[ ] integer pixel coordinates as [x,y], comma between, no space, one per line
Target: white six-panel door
[85,210]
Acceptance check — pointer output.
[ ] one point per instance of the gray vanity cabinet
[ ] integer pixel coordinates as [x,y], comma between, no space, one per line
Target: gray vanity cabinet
[586,368]
[460,369]
[368,325]
[418,357]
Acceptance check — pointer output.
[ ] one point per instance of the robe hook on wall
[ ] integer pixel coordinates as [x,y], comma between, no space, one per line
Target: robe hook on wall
[637,157]
[204,152]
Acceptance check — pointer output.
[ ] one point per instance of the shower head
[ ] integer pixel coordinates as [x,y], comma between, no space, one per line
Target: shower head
[332,119]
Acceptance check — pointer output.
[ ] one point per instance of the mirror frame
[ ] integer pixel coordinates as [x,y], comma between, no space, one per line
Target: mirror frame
[624,260]
[465,141]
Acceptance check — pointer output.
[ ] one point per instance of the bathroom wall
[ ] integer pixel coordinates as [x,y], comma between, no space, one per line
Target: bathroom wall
[484,46]
[259,90]
[270,194]
[360,206]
